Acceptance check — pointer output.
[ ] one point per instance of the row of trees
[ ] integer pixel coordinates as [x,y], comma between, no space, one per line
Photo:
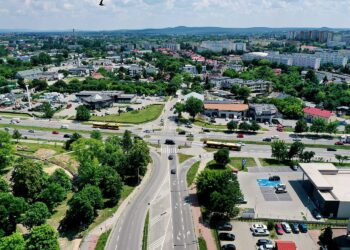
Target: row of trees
[282,152]
[318,126]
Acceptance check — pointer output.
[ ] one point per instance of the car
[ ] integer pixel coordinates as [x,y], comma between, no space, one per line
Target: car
[67,136]
[182,132]
[268,139]
[275,137]
[316,214]
[331,149]
[189,135]
[212,120]
[170,157]
[295,228]
[280,191]
[265,244]
[55,132]
[295,167]
[286,227]
[7,129]
[173,171]
[242,201]
[274,178]
[147,131]
[240,136]
[31,131]
[279,229]
[296,139]
[188,126]
[339,143]
[227,236]
[170,142]
[206,130]
[281,185]
[258,226]
[303,228]
[225,226]
[228,247]
[261,232]
[241,143]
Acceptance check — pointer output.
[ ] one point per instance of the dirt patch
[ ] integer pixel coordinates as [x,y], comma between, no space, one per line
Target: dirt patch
[66,244]
[52,168]
[44,153]
[67,162]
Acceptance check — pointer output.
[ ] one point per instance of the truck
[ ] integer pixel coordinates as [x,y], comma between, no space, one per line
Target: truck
[345,138]
[65,126]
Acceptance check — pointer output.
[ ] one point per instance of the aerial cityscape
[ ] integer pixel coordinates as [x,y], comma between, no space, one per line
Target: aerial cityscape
[175,125]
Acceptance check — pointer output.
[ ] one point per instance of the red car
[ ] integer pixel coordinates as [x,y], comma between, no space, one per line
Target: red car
[240,136]
[339,143]
[279,229]
[55,132]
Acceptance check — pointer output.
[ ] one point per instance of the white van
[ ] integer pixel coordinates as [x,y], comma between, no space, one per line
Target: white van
[15,120]
[65,126]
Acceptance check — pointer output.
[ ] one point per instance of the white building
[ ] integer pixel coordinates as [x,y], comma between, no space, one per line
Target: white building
[306,60]
[218,46]
[134,70]
[172,46]
[332,57]
[190,69]
[195,95]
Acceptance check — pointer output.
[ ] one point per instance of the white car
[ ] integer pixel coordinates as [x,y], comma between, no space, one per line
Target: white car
[275,137]
[261,232]
[241,143]
[286,227]
[258,226]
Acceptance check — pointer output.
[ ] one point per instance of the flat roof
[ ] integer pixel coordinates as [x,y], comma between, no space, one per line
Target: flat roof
[331,182]
[226,107]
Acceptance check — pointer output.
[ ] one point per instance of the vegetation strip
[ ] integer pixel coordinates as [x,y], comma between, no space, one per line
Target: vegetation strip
[102,240]
[145,233]
[191,173]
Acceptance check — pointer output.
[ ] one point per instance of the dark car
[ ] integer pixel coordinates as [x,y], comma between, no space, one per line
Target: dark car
[67,136]
[226,236]
[316,214]
[240,136]
[303,228]
[182,132]
[206,130]
[263,242]
[331,149]
[280,191]
[295,228]
[274,178]
[173,171]
[55,132]
[228,247]
[267,139]
[225,226]
[170,142]
[170,157]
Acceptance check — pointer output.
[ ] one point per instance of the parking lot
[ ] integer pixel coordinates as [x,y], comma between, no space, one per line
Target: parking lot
[246,241]
[293,205]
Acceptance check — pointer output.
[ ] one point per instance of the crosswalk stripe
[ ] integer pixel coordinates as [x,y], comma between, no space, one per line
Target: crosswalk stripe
[156,244]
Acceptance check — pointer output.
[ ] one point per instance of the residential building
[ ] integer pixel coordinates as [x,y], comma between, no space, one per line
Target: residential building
[218,46]
[224,109]
[135,69]
[311,114]
[172,46]
[263,112]
[53,97]
[7,99]
[328,187]
[195,95]
[256,86]
[80,71]
[332,58]
[30,74]
[190,69]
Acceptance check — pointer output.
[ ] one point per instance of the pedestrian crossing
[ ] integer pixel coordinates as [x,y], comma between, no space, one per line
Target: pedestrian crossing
[156,244]
[169,150]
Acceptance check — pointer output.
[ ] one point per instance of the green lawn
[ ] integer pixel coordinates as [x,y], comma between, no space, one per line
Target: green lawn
[236,162]
[339,165]
[33,147]
[267,162]
[209,125]
[149,113]
[145,233]
[212,165]
[102,240]
[202,243]
[183,157]
[11,115]
[191,173]
[59,212]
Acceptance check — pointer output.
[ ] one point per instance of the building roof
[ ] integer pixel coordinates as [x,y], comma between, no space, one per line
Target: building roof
[331,182]
[97,98]
[195,95]
[226,106]
[263,109]
[285,245]
[318,112]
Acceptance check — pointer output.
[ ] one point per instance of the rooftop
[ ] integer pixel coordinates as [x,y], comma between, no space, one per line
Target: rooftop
[318,112]
[285,245]
[226,106]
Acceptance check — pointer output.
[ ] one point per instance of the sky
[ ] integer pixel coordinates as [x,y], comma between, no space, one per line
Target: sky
[139,14]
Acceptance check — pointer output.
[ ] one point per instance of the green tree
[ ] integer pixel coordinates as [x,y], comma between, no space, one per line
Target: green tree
[279,150]
[318,125]
[244,92]
[235,89]
[231,125]
[301,126]
[111,184]
[296,149]
[138,158]
[306,156]
[222,156]
[36,215]
[332,127]
[14,241]
[72,139]
[207,84]
[42,237]
[28,179]
[254,126]
[4,187]
[244,126]
[193,106]
[48,111]
[61,178]
[179,108]
[52,195]
[127,142]
[16,135]
[96,134]
[347,129]
[230,73]
[326,237]
[83,113]
[311,76]
[7,150]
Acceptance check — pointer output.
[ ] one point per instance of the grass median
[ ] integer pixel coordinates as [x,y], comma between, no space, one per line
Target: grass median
[183,157]
[191,173]
[145,233]
[102,240]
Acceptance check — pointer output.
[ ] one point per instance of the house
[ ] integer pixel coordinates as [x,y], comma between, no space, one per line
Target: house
[30,74]
[263,112]
[315,113]
[225,109]
[80,71]
[195,95]
[190,69]
[285,245]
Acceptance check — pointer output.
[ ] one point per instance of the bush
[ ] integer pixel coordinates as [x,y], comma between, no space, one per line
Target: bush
[270,225]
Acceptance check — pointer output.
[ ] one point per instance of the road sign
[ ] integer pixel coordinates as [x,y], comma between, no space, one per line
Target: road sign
[244,162]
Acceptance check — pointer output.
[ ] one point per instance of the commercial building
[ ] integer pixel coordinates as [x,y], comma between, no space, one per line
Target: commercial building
[98,101]
[225,109]
[263,112]
[311,114]
[195,95]
[328,187]
[104,98]
[30,74]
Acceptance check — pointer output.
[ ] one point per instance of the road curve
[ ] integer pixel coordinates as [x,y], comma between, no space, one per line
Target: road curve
[128,232]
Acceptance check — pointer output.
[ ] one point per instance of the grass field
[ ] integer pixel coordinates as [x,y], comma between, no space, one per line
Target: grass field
[202,244]
[183,157]
[191,173]
[60,212]
[101,243]
[32,147]
[209,125]
[236,162]
[145,233]
[267,162]
[150,113]
[11,115]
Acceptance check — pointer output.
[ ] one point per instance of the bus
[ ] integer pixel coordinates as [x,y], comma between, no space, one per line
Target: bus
[228,145]
[112,126]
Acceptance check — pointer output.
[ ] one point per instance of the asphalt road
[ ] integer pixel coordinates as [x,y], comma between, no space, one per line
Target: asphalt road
[128,232]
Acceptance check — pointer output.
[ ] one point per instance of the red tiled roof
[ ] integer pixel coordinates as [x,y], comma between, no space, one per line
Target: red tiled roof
[285,245]
[318,112]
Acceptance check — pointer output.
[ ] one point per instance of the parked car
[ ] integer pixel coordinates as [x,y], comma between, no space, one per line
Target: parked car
[173,171]
[295,228]
[286,227]
[206,130]
[316,214]
[147,131]
[55,132]
[170,142]
[171,157]
[242,201]
[227,236]
[295,167]
[240,136]
[265,243]
[188,126]
[228,247]
[189,135]
[261,232]
[280,191]
[258,226]
[279,229]
[31,131]
[303,228]
[225,226]
[331,149]
[241,143]
[339,143]
[274,178]
[182,132]
[275,137]
[266,139]
[67,136]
